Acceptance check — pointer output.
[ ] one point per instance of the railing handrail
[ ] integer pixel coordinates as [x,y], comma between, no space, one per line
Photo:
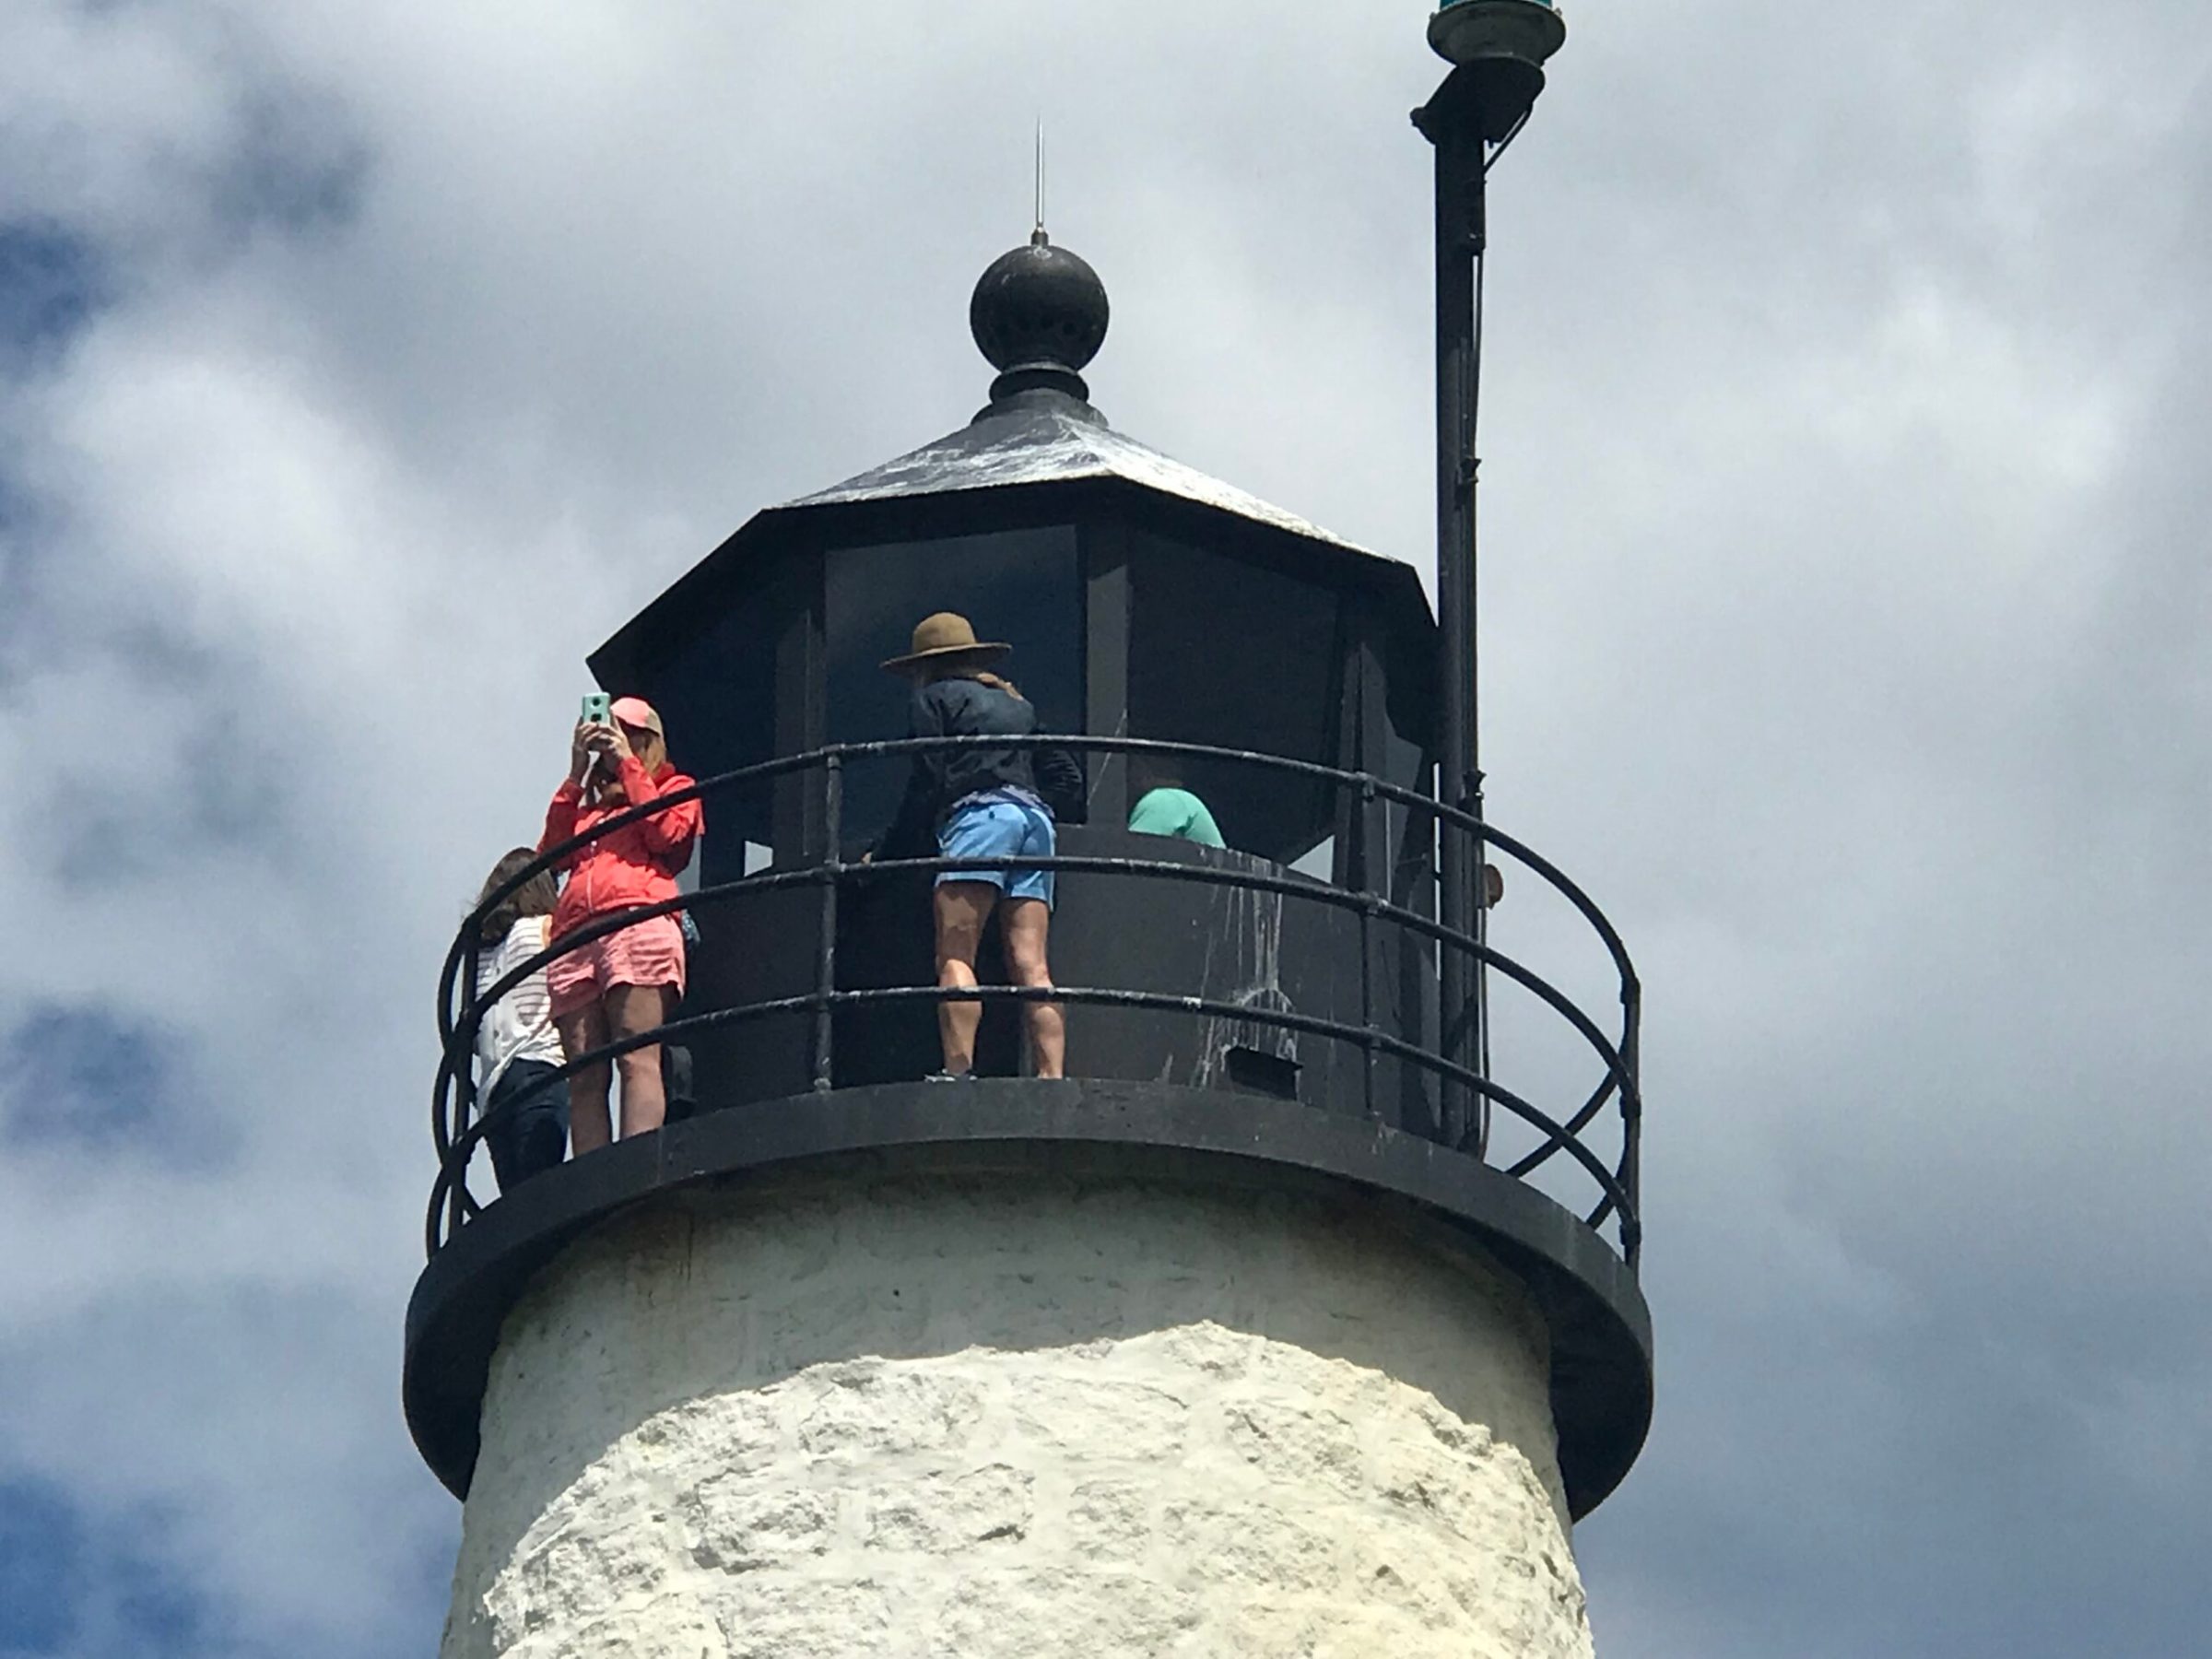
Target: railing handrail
[783,765]
[456,1139]
[1618,1074]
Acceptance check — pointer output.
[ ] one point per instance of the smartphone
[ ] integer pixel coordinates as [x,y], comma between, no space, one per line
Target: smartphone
[598,708]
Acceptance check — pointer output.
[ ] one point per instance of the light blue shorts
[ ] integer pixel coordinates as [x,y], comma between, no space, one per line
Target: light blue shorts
[999,828]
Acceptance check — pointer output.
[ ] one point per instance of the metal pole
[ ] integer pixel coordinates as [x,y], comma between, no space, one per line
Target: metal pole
[1449,122]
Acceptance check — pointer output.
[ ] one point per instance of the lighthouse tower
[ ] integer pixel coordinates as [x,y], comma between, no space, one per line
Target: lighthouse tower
[1291,1322]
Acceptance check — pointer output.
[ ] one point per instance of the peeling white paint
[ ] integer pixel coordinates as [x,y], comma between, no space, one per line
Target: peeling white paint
[1245,947]
[989,1417]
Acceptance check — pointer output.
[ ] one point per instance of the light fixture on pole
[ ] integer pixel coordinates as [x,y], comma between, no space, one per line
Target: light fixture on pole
[1503,45]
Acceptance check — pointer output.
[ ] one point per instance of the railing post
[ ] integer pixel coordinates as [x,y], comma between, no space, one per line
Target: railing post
[465,1085]
[1479,873]
[1631,1123]
[1374,835]
[825,967]
[1367,1010]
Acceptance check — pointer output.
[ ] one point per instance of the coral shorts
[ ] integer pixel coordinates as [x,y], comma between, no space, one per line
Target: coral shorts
[649,953]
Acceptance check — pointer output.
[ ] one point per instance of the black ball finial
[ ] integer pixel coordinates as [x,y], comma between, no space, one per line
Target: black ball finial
[1040,315]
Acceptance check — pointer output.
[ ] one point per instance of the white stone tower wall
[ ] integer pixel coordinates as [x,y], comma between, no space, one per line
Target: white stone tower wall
[981,1417]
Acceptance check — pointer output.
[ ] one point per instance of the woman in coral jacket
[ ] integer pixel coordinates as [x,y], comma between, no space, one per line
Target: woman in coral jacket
[625,984]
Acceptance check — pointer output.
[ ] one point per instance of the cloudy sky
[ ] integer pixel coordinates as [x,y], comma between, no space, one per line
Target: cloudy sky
[1848,633]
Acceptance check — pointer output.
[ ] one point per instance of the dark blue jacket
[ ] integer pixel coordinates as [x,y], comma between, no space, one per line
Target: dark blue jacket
[966,708]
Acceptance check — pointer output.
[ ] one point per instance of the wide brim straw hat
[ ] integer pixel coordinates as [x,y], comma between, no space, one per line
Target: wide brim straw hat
[947,634]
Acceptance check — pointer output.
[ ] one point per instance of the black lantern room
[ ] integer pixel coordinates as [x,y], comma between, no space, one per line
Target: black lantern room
[1144,599]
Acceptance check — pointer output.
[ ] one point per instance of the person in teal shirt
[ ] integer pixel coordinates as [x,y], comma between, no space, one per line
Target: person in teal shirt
[1171,809]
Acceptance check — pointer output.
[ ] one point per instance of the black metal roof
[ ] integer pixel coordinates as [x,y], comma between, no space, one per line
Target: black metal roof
[1048,437]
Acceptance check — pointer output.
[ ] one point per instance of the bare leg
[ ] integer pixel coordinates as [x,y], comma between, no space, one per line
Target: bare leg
[962,908]
[632,1010]
[1028,922]
[590,1128]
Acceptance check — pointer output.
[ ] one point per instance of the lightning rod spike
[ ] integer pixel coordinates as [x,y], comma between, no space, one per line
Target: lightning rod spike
[1038,237]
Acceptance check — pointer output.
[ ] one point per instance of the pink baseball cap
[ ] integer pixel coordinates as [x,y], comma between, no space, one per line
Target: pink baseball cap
[637,711]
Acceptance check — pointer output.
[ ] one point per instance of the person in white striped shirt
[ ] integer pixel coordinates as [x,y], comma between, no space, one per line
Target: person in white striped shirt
[518,1051]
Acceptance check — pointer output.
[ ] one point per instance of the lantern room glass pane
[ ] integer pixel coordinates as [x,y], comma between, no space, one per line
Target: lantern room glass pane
[1022,586]
[717,691]
[1237,655]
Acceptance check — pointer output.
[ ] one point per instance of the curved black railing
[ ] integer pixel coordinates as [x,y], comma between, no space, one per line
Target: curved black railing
[456,1129]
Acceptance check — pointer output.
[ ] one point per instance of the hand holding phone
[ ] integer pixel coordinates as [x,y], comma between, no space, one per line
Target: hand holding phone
[597,716]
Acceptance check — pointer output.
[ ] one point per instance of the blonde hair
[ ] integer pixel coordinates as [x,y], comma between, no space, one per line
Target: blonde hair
[654,754]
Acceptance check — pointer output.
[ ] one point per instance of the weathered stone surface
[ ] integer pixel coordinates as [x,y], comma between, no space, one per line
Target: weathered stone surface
[945,1513]
[731,1524]
[1110,1520]
[817,1617]
[1046,1610]
[1301,1441]
[1253,1545]
[969,1419]
[873,1410]
[671,1629]
[1076,1415]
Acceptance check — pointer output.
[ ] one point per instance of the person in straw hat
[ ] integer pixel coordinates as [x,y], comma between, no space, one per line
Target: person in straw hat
[983,801]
